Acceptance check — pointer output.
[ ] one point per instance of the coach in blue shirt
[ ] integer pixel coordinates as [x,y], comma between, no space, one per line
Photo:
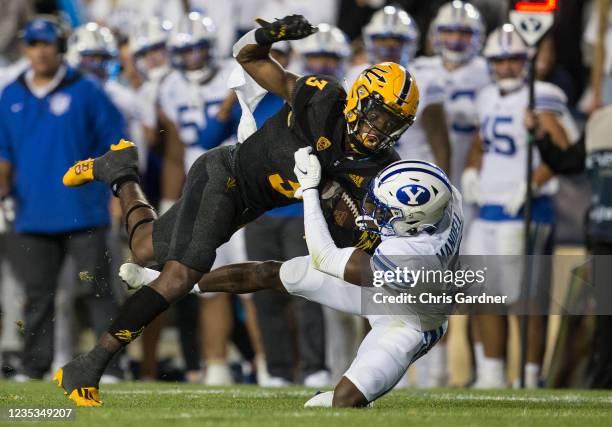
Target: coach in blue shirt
[50,117]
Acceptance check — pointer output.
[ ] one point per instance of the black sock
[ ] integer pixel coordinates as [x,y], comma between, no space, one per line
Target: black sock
[137,312]
[99,358]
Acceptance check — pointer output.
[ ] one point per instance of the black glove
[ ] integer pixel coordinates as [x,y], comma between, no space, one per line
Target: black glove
[292,27]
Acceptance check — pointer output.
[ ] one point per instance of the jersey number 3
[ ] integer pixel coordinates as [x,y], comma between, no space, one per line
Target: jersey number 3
[286,188]
[314,82]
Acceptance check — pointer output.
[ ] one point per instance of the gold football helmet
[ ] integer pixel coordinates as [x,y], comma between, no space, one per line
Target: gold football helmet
[380,106]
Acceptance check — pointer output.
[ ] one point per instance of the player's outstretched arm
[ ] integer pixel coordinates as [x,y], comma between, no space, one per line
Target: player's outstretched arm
[349,264]
[252,51]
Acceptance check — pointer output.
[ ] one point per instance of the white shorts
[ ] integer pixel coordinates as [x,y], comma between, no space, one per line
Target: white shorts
[504,273]
[388,349]
[386,353]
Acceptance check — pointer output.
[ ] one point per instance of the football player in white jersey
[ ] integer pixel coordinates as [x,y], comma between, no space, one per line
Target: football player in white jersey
[457,35]
[92,49]
[147,44]
[426,233]
[392,35]
[324,52]
[195,99]
[495,179]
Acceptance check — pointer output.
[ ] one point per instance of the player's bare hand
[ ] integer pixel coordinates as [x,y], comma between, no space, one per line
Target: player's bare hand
[307,170]
[292,27]
[532,123]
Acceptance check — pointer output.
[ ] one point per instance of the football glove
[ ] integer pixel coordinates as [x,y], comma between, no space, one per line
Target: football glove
[470,185]
[292,27]
[307,170]
[516,202]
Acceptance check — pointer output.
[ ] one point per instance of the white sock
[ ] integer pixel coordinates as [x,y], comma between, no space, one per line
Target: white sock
[532,373]
[479,357]
[136,276]
[321,400]
[493,369]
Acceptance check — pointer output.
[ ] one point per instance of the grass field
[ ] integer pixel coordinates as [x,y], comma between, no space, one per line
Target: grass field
[170,404]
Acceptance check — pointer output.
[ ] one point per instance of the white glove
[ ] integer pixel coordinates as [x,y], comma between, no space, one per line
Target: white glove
[516,202]
[307,170]
[470,185]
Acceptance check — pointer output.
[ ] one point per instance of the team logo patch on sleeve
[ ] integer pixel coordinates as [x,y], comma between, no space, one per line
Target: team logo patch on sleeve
[323,143]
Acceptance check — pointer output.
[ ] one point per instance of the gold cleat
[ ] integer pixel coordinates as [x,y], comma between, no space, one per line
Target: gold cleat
[83,171]
[83,396]
[79,174]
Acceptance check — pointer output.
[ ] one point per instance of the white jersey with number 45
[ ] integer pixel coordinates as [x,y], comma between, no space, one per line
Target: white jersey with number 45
[504,138]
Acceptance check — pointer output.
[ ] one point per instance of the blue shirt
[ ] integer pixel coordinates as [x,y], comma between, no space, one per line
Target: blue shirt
[269,105]
[43,137]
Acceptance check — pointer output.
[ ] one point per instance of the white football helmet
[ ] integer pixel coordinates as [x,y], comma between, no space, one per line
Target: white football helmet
[391,22]
[406,198]
[91,48]
[329,41]
[149,36]
[195,34]
[457,16]
[505,43]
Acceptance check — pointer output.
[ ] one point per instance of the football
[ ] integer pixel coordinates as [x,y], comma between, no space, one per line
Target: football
[344,208]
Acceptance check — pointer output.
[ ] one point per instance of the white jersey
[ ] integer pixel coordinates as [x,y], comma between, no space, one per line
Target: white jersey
[413,143]
[190,105]
[504,138]
[461,86]
[126,101]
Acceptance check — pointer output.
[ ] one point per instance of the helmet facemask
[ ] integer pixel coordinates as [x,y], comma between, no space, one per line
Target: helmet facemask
[196,60]
[377,127]
[457,44]
[152,61]
[379,218]
[324,63]
[388,47]
[511,78]
[96,63]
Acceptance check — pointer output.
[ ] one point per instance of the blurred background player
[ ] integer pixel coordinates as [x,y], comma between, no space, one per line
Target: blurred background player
[392,35]
[457,34]
[495,179]
[73,118]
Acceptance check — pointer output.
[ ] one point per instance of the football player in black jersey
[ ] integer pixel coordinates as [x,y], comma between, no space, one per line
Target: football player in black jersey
[227,187]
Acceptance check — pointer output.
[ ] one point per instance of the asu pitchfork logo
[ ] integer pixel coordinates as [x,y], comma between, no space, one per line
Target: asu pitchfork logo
[375,73]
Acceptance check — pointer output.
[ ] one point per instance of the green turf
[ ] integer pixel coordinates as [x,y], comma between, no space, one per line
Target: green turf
[170,404]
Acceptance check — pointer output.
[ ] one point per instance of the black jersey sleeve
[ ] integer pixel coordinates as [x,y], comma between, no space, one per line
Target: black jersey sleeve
[317,102]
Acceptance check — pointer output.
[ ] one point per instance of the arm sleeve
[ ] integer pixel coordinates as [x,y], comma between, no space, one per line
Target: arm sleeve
[561,161]
[324,254]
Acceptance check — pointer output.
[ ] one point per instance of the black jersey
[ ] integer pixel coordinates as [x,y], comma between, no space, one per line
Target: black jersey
[264,162]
